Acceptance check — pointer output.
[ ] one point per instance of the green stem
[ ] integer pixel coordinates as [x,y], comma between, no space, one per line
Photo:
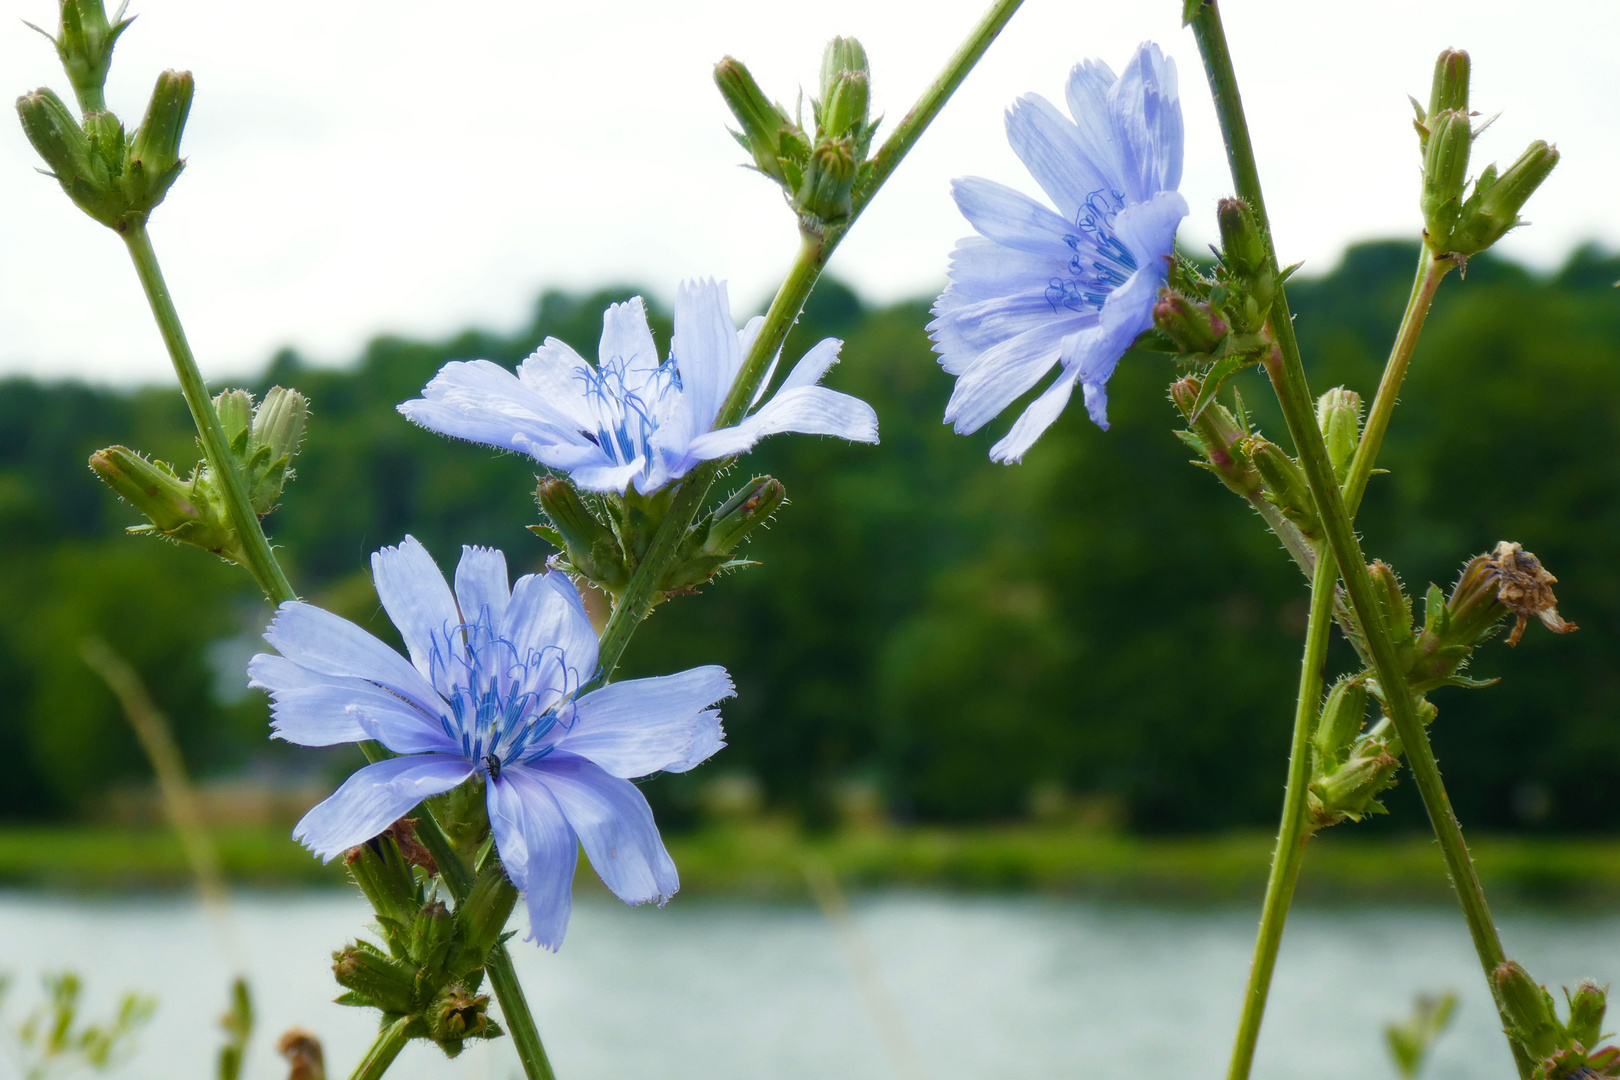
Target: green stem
[390,1041]
[642,593]
[1287,373]
[259,560]
[1295,830]
[261,563]
[1430,272]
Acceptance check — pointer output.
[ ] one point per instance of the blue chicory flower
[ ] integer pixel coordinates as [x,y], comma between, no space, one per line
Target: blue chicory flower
[633,419]
[491,689]
[1073,287]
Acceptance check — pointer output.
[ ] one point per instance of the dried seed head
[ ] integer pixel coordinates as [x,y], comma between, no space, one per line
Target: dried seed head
[1525,586]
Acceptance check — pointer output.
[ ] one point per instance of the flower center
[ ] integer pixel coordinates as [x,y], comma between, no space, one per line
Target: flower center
[505,706]
[1100,263]
[625,404]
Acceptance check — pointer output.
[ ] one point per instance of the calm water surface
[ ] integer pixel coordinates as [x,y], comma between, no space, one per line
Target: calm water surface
[720,990]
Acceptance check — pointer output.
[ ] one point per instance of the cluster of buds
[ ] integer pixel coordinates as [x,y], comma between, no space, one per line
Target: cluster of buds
[603,543]
[433,964]
[1218,323]
[1456,225]
[263,439]
[115,176]
[819,175]
[1561,1050]
[1351,765]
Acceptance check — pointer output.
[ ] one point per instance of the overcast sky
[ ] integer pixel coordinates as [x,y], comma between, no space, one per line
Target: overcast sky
[412,167]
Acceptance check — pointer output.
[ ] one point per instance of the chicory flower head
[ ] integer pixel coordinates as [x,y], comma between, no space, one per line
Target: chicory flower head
[1074,287]
[491,689]
[634,419]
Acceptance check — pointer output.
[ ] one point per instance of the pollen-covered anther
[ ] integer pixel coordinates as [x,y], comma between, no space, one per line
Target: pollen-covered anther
[1525,586]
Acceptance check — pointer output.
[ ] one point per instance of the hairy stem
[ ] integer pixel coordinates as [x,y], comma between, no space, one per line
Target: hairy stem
[1295,830]
[1431,271]
[261,561]
[1287,373]
[814,251]
[390,1041]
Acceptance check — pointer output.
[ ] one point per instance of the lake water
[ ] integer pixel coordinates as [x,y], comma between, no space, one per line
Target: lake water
[980,987]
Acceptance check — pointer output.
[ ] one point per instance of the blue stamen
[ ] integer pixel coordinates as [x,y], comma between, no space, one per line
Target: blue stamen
[1101,263]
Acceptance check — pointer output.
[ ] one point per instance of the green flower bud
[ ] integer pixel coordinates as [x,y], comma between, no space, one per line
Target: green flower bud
[374,979]
[432,936]
[763,122]
[85,46]
[1586,1008]
[55,134]
[842,56]
[825,195]
[1342,718]
[185,511]
[1445,172]
[279,421]
[745,511]
[456,1015]
[1395,609]
[1338,413]
[1350,791]
[1532,1022]
[384,875]
[1450,88]
[1494,206]
[591,549]
[1190,324]
[843,110]
[1285,484]
[1244,253]
[1216,434]
[481,919]
[154,152]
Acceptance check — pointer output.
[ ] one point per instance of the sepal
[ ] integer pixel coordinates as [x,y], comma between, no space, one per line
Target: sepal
[1338,414]
[85,45]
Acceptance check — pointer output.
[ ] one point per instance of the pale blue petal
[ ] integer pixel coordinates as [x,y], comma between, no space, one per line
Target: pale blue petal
[1149,230]
[374,798]
[627,339]
[481,585]
[491,398]
[1049,145]
[1002,374]
[637,727]
[403,728]
[615,826]
[547,619]
[1010,217]
[413,592]
[1035,419]
[808,410]
[538,850]
[605,476]
[1147,116]
[813,365]
[323,642]
[966,333]
[326,716]
[707,740]
[706,353]
[555,374]
[1088,92]
[982,269]
[745,341]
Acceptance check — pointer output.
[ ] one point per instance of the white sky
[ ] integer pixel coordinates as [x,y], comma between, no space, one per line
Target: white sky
[413,167]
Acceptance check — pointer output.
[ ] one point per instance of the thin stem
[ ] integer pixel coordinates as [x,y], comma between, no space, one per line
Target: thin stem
[1430,272]
[1295,830]
[642,592]
[1287,373]
[390,1041]
[260,560]
[262,564]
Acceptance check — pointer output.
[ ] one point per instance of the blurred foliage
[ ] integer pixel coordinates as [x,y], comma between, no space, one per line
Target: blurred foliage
[1410,1040]
[54,1040]
[1104,620]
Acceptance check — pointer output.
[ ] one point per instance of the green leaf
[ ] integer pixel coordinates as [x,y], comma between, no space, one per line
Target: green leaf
[1222,370]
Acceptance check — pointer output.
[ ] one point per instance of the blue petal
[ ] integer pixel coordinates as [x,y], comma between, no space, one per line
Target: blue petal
[538,849]
[325,643]
[1010,217]
[546,616]
[484,402]
[1002,374]
[627,339]
[1036,419]
[1147,114]
[706,353]
[481,585]
[1049,145]
[813,365]
[555,377]
[637,727]
[376,797]
[707,740]
[413,592]
[615,825]
[324,714]
[1088,92]
[808,410]
[403,728]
